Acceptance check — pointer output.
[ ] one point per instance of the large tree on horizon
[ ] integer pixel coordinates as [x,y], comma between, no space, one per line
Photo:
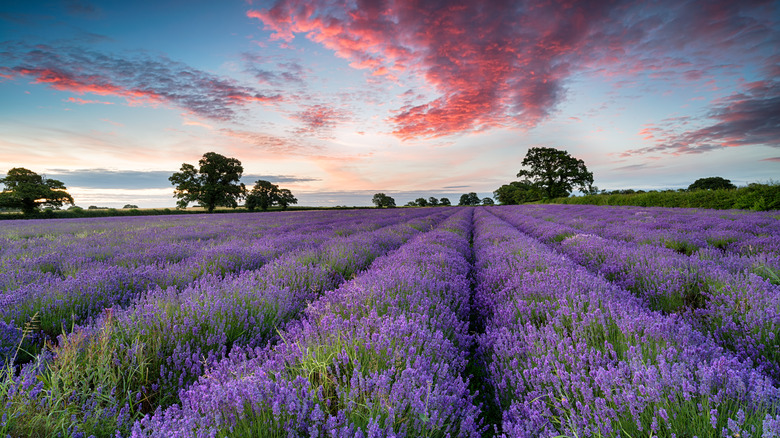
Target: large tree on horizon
[27,191]
[554,172]
[711,183]
[216,182]
[383,201]
[266,194]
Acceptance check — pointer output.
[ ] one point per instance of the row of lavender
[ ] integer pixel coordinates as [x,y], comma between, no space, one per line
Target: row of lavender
[737,239]
[137,357]
[381,356]
[714,293]
[571,354]
[561,350]
[69,273]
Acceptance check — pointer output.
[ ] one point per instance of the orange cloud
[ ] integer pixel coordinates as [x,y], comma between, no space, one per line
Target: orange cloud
[85,102]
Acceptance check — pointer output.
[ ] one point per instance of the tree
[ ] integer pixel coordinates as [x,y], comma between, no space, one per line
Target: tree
[27,191]
[422,202]
[265,194]
[445,201]
[487,201]
[554,172]
[286,198]
[711,183]
[130,206]
[470,198]
[517,192]
[383,201]
[216,182]
[433,202]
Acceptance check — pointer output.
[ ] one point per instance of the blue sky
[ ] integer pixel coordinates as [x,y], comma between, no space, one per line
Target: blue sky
[339,100]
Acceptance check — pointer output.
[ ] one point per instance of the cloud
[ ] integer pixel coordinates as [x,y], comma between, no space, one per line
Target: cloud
[250,179]
[318,120]
[111,179]
[82,9]
[751,117]
[505,63]
[272,144]
[86,102]
[772,159]
[284,73]
[101,178]
[141,80]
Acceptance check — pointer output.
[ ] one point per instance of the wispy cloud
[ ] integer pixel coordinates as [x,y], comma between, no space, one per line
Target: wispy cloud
[250,179]
[111,179]
[318,120]
[506,63]
[278,75]
[272,144]
[80,101]
[101,178]
[139,80]
[751,117]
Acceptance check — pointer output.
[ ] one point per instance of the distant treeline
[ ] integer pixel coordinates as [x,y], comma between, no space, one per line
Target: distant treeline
[74,213]
[757,197]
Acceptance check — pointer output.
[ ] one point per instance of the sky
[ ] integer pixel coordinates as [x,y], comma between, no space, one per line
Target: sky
[338,100]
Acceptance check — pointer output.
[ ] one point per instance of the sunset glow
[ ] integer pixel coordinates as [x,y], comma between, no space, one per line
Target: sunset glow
[338,100]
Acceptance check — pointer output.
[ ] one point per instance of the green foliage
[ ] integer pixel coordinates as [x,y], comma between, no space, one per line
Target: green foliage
[265,194]
[89,370]
[487,201]
[421,202]
[433,202]
[470,198]
[711,183]
[130,206]
[517,192]
[756,197]
[383,201]
[445,202]
[554,172]
[214,183]
[27,191]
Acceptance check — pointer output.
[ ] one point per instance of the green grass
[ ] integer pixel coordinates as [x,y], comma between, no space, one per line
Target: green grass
[756,197]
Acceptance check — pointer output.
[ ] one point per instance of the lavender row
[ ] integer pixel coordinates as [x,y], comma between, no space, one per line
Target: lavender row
[169,337]
[568,353]
[737,240]
[60,249]
[381,356]
[736,231]
[740,309]
[61,302]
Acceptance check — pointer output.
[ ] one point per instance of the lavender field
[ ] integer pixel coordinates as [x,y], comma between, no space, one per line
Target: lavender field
[510,321]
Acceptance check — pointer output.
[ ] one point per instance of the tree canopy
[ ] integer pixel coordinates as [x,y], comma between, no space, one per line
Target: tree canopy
[383,201]
[517,192]
[27,191]
[265,194]
[445,201]
[470,198]
[554,172]
[711,183]
[216,182]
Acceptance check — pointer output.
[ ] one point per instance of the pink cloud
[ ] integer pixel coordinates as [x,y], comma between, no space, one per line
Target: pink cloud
[318,120]
[85,102]
[506,63]
[138,80]
[751,117]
